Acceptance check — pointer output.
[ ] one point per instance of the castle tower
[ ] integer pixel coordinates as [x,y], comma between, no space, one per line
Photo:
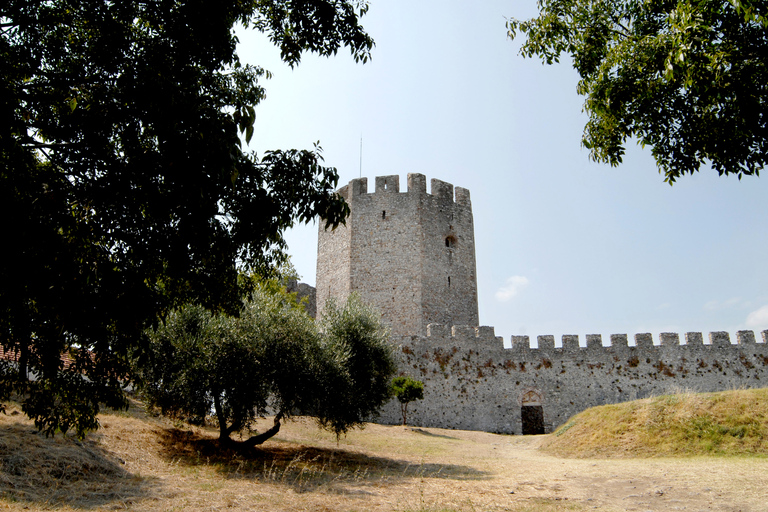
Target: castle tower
[412,254]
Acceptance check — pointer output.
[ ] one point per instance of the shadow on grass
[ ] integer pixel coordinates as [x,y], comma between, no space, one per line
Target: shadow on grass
[62,470]
[302,467]
[430,434]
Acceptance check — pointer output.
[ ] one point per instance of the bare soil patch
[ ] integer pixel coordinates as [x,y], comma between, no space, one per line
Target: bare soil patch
[135,462]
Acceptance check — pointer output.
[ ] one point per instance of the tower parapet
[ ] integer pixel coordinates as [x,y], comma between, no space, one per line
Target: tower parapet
[410,254]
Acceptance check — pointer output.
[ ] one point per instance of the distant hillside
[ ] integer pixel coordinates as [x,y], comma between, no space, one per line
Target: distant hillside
[688,424]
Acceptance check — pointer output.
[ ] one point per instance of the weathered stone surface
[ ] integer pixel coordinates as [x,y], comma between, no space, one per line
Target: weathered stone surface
[669,338]
[411,254]
[472,382]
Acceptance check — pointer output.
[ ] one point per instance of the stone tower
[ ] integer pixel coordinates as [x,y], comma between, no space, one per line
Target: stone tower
[412,254]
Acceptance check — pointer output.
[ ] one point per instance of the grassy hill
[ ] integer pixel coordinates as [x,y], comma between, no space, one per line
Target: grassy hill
[683,424]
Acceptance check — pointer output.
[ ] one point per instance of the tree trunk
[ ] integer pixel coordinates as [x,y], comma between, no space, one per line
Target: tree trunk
[257,440]
[224,431]
[253,440]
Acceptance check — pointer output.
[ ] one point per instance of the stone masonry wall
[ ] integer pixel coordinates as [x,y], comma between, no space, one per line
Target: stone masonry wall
[333,261]
[449,257]
[410,254]
[472,382]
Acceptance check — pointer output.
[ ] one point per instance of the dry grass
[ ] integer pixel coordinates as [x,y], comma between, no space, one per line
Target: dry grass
[730,423]
[44,471]
[139,462]
[142,463]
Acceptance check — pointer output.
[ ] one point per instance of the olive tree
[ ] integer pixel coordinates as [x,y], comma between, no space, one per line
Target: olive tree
[271,359]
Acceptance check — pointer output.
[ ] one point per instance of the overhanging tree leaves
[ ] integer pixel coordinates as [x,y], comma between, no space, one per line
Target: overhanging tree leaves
[124,184]
[271,359]
[687,78]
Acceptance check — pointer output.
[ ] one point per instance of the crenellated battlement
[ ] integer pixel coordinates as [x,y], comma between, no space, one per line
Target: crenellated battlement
[520,345]
[482,333]
[473,382]
[417,186]
[570,342]
[412,255]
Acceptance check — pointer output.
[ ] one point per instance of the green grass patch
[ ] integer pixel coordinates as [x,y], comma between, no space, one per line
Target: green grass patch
[730,423]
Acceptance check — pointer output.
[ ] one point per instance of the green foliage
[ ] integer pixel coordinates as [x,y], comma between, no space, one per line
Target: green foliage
[406,390]
[271,359]
[687,78]
[122,170]
[356,334]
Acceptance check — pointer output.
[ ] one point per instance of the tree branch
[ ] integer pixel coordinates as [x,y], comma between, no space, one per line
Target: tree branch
[259,439]
[41,145]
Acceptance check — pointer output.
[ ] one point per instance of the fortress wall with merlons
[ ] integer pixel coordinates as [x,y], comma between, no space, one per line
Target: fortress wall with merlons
[472,382]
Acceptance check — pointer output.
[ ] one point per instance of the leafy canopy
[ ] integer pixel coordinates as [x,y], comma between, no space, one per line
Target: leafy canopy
[271,359]
[687,78]
[354,330]
[125,183]
[406,390]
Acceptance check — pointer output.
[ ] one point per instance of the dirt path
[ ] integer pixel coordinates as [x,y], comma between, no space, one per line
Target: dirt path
[639,484]
[511,473]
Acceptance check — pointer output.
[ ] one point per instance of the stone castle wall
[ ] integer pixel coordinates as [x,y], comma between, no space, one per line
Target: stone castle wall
[411,254]
[472,382]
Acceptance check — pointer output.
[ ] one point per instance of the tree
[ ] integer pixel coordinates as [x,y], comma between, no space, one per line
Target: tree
[687,78]
[270,359]
[356,394]
[125,184]
[407,390]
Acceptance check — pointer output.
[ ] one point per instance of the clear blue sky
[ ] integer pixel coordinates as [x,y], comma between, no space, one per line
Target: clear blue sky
[563,245]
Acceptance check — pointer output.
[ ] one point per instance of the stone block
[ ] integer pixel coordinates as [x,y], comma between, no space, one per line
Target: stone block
[417,183]
[521,343]
[359,186]
[437,330]
[745,337]
[486,332]
[463,331]
[669,339]
[442,190]
[694,338]
[546,342]
[619,340]
[387,184]
[594,341]
[644,340]
[571,342]
[719,339]
[462,196]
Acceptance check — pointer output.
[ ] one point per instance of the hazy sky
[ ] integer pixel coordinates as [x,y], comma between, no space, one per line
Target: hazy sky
[563,245]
